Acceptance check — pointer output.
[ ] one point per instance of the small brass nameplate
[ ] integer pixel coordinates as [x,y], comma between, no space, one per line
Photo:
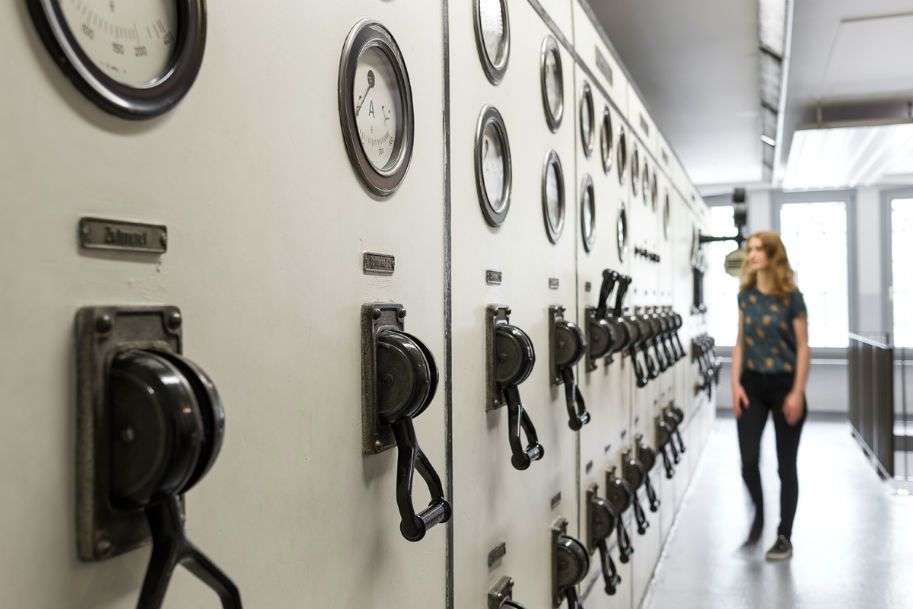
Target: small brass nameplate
[378,264]
[118,235]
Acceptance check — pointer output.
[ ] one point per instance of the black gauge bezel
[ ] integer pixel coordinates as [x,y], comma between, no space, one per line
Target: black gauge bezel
[621,232]
[654,190]
[621,155]
[363,36]
[119,99]
[589,237]
[645,181]
[550,46]
[491,116]
[553,232]
[493,71]
[587,138]
[635,170]
[607,140]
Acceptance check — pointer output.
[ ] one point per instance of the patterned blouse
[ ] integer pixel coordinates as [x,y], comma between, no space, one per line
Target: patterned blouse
[769,342]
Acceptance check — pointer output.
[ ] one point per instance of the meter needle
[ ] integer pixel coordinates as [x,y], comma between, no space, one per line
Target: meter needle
[365,96]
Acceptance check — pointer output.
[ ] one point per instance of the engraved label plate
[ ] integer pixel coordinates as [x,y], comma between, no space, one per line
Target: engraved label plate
[493,277]
[589,466]
[553,283]
[556,500]
[603,66]
[118,235]
[497,553]
[378,264]
[587,287]
[644,125]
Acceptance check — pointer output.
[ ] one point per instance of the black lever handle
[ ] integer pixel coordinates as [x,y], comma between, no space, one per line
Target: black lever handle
[521,457]
[678,344]
[660,359]
[652,370]
[410,457]
[681,443]
[609,573]
[625,549]
[667,464]
[576,407]
[170,547]
[639,377]
[609,279]
[675,456]
[623,282]
[651,493]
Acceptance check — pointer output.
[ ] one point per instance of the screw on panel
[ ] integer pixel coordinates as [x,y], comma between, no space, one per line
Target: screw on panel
[104,324]
[103,547]
[401,313]
[174,320]
[378,444]
[127,435]
[376,313]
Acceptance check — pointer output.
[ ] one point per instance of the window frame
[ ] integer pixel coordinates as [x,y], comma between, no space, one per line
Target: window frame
[720,201]
[848,198]
[887,255]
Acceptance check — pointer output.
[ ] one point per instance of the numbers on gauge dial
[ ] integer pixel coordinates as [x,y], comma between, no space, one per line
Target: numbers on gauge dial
[493,167]
[132,42]
[377,103]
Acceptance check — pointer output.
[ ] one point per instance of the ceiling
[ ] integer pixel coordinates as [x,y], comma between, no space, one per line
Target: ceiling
[697,65]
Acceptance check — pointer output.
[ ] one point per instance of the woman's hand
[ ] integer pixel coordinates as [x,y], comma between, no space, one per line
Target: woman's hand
[739,397]
[793,406]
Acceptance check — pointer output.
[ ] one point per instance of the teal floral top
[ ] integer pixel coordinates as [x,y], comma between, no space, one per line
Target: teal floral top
[768,339]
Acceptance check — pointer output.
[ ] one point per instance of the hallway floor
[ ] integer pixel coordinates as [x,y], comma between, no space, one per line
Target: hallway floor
[852,538]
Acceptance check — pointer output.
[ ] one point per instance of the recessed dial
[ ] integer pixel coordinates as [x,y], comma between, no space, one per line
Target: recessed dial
[621,232]
[493,166]
[553,196]
[133,58]
[654,190]
[587,120]
[588,213]
[667,217]
[375,107]
[606,140]
[378,107]
[635,170]
[552,83]
[493,37]
[645,186]
[621,155]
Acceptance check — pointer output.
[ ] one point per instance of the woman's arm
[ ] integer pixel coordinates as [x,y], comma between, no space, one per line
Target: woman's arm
[795,401]
[739,396]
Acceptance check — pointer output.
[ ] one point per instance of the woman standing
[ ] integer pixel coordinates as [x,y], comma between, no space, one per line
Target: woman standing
[770,368]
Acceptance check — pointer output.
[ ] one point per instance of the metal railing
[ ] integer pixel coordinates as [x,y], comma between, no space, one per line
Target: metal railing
[878,415]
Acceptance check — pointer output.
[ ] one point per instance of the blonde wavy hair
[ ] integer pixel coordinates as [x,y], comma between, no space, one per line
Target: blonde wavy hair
[783,276]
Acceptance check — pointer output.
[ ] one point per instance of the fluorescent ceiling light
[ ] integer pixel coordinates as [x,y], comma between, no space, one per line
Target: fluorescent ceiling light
[846,157]
[768,140]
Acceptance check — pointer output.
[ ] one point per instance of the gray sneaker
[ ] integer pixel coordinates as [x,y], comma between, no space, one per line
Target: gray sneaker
[781,550]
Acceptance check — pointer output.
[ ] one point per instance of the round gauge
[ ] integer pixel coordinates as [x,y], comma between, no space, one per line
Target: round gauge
[553,196]
[621,232]
[587,120]
[621,154]
[606,139]
[635,170]
[654,190]
[135,59]
[552,83]
[667,217]
[493,167]
[645,186]
[588,213]
[493,37]
[375,107]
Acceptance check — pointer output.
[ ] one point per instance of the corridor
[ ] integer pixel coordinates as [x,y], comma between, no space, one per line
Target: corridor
[853,537]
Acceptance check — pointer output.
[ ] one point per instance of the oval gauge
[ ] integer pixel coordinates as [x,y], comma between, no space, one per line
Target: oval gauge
[135,59]
[654,190]
[588,213]
[667,217]
[493,166]
[621,232]
[635,170]
[552,77]
[375,107]
[587,118]
[621,154]
[645,185]
[492,26]
[606,140]
[553,196]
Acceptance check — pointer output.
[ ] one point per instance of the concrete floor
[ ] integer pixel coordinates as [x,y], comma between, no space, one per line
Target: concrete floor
[852,538]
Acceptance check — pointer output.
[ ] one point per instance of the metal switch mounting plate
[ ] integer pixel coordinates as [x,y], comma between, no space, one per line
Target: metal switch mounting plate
[559,528]
[494,315]
[376,436]
[103,530]
[555,314]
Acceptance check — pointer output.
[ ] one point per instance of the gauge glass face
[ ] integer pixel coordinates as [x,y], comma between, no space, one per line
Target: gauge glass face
[493,166]
[553,89]
[621,152]
[586,119]
[378,107]
[646,182]
[606,141]
[654,191]
[667,212]
[132,42]
[621,234]
[491,17]
[635,170]
[553,195]
[588,215]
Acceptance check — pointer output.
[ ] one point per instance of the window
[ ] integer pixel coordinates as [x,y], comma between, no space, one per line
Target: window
[721,289]
[901,254]
[815,239]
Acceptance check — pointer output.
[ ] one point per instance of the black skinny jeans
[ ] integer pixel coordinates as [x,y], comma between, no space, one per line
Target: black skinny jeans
[766,393]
